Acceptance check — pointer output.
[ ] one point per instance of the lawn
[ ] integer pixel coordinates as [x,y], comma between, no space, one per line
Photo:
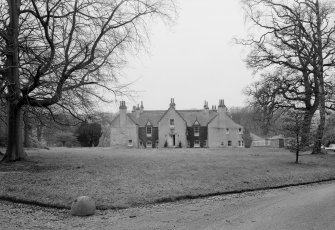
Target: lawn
[129,177]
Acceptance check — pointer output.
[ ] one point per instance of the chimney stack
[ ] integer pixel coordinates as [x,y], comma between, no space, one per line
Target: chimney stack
[222,109]
[221,103]
[137,111]
[142,107]
[172,104]
[206,110]
[123,113]
[206,105]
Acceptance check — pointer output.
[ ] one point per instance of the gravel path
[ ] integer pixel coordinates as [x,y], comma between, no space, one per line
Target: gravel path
[230,211]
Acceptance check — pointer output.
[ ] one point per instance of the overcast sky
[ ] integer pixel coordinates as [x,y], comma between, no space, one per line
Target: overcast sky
[194,60]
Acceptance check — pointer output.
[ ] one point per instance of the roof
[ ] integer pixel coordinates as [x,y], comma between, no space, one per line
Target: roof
[190,116]
[223,122]
[172,108]
[277,137]
[147,115]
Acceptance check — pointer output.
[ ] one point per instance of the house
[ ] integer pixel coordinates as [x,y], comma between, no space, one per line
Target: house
[175,128]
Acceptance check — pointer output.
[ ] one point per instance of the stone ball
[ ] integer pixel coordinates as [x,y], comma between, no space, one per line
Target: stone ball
[83,206]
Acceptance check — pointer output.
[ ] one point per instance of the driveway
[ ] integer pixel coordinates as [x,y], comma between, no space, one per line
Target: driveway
[304,207]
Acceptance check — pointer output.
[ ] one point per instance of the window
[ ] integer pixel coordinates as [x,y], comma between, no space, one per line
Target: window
[130,143]
[149,131]
[196,130]
[229,143]
[240,143]
[171,122]
[227,131]
[240,130]
[196,144]
[149,144]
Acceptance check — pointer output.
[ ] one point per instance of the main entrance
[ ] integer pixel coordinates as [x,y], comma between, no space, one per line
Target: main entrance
[172,141]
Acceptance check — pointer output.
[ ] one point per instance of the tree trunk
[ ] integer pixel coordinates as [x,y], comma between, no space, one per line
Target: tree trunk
[321,127]
[39,131]
[305,135]
[15,150]
[297,157]
[27,131]
[297,148]
[320,76]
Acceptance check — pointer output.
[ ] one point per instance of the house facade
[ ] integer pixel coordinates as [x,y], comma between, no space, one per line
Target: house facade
[175,128]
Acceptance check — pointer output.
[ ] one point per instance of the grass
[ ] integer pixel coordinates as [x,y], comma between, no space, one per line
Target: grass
[130,177]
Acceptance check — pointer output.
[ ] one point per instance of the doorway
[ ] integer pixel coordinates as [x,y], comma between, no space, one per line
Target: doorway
[172,141]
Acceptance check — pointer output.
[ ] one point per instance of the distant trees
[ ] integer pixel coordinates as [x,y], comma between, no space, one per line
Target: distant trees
[253,118]
[264,104]
[293,47]
[66,138]
[61,55]
[88,134]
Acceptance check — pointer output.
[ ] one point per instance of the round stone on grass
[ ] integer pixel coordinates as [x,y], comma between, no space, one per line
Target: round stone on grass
[83,206]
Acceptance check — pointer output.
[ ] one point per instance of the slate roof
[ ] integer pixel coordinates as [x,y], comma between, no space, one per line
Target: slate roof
[224,122]
[190,116]
[147,115]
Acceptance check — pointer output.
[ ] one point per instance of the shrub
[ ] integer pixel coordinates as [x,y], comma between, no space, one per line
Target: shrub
[247,138]
[88,134]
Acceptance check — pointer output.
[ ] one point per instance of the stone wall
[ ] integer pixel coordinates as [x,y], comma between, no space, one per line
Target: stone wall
[120,134]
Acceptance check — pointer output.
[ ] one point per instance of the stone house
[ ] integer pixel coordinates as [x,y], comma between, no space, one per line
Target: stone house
[176,128]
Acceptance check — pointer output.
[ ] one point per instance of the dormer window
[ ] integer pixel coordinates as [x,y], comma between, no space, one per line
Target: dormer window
[149,129]
[171,122]
[227,131]
[196,129]
[240,130]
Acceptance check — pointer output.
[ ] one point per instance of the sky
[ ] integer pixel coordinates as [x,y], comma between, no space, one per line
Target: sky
[193,60]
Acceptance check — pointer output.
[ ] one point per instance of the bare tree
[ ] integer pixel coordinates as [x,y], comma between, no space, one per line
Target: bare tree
[293,124]
[283,90]
[265,101]
[297,37]
[58,53]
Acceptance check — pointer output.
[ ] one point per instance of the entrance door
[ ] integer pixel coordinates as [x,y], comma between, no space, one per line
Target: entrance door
[172,141]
